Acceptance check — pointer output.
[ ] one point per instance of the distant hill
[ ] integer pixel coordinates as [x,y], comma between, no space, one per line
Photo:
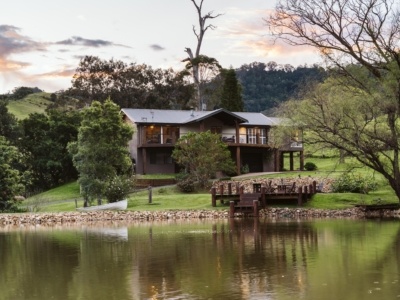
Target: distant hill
[33,103]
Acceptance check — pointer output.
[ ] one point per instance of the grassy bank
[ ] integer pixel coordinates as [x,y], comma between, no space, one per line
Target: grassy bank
[64,198]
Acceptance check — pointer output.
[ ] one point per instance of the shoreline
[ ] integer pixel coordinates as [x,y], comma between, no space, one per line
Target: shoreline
[58,218]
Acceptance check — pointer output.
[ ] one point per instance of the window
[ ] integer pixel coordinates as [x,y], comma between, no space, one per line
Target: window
[251,136]
[215,129]
[160,158]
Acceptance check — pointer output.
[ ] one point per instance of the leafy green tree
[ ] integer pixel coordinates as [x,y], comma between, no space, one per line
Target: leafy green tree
[11,180]
[100,153]
[23,91]
[9,127]
[202,155]
[231,92]
[44,144]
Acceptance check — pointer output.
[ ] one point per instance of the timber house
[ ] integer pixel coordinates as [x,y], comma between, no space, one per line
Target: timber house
[246,134]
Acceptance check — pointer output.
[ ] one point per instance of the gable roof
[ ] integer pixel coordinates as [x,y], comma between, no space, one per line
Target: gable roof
[164,116]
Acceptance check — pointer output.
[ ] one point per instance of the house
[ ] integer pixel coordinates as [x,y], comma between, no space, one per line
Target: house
[246,134]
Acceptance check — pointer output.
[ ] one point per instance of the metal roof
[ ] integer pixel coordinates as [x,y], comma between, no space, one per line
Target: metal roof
[164,116]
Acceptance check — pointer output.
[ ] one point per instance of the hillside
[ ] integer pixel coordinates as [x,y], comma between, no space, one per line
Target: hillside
[33,103]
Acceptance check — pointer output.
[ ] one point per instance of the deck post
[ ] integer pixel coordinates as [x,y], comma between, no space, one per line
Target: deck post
[221,189]
[314,183]
[310,192]
[241,190]
[255,208]
[213,197]
[263,199]
[300,196]
[150,194]
[237,188]
[230,188]
[231,209]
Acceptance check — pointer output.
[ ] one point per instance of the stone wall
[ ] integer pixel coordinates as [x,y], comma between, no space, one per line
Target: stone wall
[116,216]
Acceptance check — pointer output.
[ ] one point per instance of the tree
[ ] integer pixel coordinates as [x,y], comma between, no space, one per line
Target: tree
[202,155]
[44,142]
[265,86]
[231,92]
[359,40]
[8,123]
[129,86]
[11,180]
[196,61]
[100,154]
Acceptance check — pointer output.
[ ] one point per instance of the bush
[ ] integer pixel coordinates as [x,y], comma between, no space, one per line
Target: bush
[186,185]
[352,183]
[310,166]
[117,188]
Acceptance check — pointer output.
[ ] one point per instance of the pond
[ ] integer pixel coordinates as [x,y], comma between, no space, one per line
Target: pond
[222,259]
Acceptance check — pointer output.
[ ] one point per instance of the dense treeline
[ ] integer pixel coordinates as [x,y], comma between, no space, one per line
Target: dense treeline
[265,86]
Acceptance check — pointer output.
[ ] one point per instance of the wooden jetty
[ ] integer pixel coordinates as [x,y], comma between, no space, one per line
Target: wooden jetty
[261,196]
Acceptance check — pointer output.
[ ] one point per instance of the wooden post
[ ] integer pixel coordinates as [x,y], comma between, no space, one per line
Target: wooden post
[314,187]
[301,160]
[150,194]
[237,188]
[221,189]
[263,198]
[291,163]
[213,197]
[300,196]
[310,191]
[231,209]
[241,190]
[230,188]
[255,208]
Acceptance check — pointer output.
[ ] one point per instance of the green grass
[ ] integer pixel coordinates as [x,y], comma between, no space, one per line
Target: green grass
[157,176]
[33,103]
[169,198]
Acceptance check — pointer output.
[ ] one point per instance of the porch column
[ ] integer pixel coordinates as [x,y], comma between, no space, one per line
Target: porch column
[276,160]
[144,160]
[291,161]
[301,160]
[238,160]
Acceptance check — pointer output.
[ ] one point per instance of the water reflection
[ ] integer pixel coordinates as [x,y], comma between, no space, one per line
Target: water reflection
[236,259]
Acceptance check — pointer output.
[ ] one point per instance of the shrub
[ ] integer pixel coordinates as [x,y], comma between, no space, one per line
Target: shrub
[186,185]
[245,169]
[117,188]
[352,183]
[310,166]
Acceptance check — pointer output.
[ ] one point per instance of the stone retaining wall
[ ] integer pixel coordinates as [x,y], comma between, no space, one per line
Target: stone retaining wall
[88,217]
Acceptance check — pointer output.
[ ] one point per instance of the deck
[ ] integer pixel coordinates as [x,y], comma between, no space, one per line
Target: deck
[261,197]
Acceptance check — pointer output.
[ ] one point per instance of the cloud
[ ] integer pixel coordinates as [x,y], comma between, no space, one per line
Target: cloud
[11,42]
[156,47]
[80,41]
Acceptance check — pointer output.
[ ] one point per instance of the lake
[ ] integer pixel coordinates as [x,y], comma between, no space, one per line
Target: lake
[221,259]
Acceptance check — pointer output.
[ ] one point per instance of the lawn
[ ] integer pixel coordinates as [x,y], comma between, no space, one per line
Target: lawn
[64,198]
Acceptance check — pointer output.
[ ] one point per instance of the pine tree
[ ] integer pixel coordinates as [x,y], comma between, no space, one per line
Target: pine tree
[231,92]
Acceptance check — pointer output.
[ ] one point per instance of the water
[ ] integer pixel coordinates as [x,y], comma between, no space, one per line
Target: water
[225,259]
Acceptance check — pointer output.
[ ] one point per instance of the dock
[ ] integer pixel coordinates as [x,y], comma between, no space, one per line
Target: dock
[261,196]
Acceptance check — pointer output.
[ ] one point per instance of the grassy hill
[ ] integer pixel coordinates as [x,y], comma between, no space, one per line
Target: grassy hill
[33,103]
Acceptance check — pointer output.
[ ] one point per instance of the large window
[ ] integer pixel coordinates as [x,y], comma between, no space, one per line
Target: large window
[251,136]
[256,136]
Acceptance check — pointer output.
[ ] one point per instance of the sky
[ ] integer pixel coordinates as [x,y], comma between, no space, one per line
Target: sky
[42,41]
